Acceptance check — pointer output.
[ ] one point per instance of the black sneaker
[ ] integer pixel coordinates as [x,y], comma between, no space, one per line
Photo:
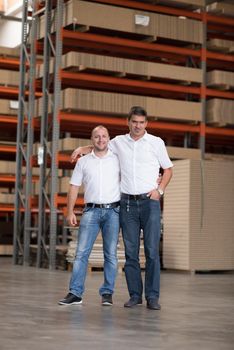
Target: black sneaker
[70,299]
[107,300]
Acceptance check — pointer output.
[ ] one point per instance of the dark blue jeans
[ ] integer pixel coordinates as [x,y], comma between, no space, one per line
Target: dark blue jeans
[136,215]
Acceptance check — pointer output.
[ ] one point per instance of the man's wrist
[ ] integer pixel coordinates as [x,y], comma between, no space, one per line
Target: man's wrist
[160,191]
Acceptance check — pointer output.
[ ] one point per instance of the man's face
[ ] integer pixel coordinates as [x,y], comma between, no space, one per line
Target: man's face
[100,139]
[137,125]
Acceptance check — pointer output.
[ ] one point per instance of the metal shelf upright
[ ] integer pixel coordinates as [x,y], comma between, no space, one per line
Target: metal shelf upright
[25,136]
[47,227]
[23,190]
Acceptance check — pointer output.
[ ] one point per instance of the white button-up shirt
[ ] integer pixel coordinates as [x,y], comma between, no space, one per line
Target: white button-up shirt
[100,177]
[140,161]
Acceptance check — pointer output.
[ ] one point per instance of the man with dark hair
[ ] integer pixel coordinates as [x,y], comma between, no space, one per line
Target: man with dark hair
[99,172]
[141,156]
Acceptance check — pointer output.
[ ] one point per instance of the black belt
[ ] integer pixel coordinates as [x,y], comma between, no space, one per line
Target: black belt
[104,206]
[135,197]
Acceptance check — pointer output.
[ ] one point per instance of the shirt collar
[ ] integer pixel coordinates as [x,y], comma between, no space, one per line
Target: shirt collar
[144,137]
[108,154]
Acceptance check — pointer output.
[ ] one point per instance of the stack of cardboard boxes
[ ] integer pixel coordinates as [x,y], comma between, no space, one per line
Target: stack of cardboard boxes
[198,216]
[132,21]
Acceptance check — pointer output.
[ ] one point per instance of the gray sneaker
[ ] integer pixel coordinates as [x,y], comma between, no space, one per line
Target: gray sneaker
[133,301]
[70,299]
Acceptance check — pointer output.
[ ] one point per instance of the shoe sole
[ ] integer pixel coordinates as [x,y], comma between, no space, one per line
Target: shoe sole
[74,303]
[106,303]
[133,305]
[153,308]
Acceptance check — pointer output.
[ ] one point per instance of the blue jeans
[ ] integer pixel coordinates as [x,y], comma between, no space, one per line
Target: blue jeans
[92,221]
[136,215]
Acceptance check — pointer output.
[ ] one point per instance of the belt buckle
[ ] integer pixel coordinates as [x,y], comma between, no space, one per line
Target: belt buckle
[107,206]
[135,197]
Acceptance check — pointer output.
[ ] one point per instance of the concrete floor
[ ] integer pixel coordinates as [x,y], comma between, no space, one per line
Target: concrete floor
[197,313]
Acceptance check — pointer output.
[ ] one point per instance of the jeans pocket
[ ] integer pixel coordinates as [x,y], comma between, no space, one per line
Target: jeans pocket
[155,200]
[117,209]
[86,209]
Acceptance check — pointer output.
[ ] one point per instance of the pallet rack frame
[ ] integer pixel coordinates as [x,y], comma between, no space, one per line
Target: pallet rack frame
[21,221]
[45,224]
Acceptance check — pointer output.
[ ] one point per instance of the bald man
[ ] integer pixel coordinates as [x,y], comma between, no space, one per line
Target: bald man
[99,172]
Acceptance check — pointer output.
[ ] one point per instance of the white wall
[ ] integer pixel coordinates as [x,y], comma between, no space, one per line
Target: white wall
[10,33]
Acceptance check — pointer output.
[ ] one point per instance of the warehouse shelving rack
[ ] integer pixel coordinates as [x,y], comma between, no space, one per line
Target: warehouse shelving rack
[64,41]
[25,131]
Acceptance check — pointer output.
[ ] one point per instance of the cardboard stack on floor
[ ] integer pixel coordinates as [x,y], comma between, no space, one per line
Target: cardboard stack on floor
[198,216]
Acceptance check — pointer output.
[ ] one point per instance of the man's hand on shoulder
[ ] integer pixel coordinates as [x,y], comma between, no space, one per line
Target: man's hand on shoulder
[80,151]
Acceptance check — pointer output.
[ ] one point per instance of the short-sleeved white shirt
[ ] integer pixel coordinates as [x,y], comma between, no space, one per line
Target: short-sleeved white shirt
[100,177]
[140,161]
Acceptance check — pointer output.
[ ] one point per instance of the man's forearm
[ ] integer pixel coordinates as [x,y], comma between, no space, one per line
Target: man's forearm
[71,198]
[167,175]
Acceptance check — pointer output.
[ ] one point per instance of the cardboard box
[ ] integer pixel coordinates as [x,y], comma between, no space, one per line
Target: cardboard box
[9,107]
[7,167]
[220,45]
[8,77]
[220,112]
[184,3]
[220,79]
[221,8]
[11,52]
[183,153]
[7,198]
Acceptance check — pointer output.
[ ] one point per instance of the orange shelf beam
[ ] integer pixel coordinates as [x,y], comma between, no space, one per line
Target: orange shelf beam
[7,208]
[10,63]
[98,43]
[107,83]
[110,121]
[9,93]
[78,119]
[64,158]
[7,148]
[219,93]
[121,84]
[209,130]
[62,200]
[148,49]
[8,119]
[228,21]
[8,178]
[220,56]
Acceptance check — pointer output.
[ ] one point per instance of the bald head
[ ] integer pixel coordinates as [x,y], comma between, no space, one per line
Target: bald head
[100,138]
[99,127]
